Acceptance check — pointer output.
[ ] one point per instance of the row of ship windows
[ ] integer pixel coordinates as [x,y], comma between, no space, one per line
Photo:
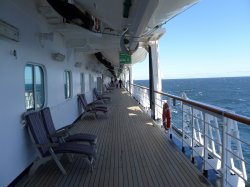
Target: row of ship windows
[34,86]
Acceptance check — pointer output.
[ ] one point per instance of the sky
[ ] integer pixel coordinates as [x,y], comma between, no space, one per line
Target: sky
[211,39]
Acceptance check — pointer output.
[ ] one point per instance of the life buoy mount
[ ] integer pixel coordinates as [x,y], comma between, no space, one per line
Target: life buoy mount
[166,116]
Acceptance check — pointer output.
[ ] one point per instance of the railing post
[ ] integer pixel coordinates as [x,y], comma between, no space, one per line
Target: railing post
[130,79]
[183,132]
[224,153]
[205,143]
[170,108]
[192,126]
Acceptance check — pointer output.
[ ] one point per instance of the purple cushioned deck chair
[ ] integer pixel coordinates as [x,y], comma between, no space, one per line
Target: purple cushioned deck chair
[90,108]
[63,133]
[108,89]
[101,97]
[49,149]
[94,104]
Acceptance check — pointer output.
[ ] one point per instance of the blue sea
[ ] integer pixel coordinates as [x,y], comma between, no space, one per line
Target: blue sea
[229,93]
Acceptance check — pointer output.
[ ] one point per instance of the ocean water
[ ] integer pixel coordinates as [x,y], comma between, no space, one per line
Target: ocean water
[229,93]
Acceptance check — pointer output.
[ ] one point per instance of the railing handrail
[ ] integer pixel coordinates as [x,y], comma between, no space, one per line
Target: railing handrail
[210,108]
[144,87]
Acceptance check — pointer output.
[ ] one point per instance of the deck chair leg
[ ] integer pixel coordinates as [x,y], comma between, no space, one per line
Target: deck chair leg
[83,115]
[58,163]
[92,163]
[36,164]
[95,115]
[70,157]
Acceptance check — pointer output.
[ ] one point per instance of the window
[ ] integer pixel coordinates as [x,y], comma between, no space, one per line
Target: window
[34,87]
[67,84]
[82,83]
[87,85]
[90,82]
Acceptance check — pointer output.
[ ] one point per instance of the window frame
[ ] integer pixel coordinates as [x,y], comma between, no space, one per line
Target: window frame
[82,81]
[34,85]
[67,87]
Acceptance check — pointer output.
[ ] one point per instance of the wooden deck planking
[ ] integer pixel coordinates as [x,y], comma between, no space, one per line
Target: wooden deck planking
[130,153]
[145,164]
[192,174]
[149,140]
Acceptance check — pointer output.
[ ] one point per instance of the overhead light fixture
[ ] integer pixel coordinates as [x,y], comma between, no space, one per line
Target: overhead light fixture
[58,57]
[78,64]
[46,36]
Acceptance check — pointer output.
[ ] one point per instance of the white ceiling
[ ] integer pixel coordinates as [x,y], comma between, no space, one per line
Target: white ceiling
[144,15]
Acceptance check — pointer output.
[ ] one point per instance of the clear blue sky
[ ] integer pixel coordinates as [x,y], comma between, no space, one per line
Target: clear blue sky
[211,39]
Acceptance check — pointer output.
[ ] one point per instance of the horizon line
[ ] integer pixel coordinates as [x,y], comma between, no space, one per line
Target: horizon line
[196,78]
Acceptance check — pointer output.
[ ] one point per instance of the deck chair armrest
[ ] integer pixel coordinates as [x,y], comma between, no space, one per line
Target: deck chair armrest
[100,106]
[58,134]
[104,94]
[65,128]
[96,102]
[89,107]
[47,145]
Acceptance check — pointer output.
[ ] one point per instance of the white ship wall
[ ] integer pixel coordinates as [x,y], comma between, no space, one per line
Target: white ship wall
[17,152]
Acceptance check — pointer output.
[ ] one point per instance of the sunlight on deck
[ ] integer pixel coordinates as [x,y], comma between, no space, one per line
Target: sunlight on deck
[132,114]
[134,108]
[150,123]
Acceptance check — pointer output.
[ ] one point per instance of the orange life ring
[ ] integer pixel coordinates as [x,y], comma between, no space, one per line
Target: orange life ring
[166,116]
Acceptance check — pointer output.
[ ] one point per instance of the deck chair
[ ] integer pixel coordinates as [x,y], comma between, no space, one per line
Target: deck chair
[111,85]
[90,108]
[101,97]
[63,133]
[50,149]
[108,89]
[94,104]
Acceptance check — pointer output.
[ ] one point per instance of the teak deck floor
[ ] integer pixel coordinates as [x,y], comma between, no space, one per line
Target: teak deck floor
[132,151]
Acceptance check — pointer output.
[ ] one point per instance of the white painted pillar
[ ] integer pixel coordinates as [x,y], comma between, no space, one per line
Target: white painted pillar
[130,79]
[156,77]
[126,78]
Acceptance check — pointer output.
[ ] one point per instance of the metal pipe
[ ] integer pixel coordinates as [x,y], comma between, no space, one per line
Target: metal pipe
[151,84]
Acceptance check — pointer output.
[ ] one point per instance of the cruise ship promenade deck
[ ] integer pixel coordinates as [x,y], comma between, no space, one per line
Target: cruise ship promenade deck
[132,151]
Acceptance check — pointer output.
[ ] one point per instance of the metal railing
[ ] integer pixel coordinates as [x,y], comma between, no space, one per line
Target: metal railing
[30,102]
[210,132]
